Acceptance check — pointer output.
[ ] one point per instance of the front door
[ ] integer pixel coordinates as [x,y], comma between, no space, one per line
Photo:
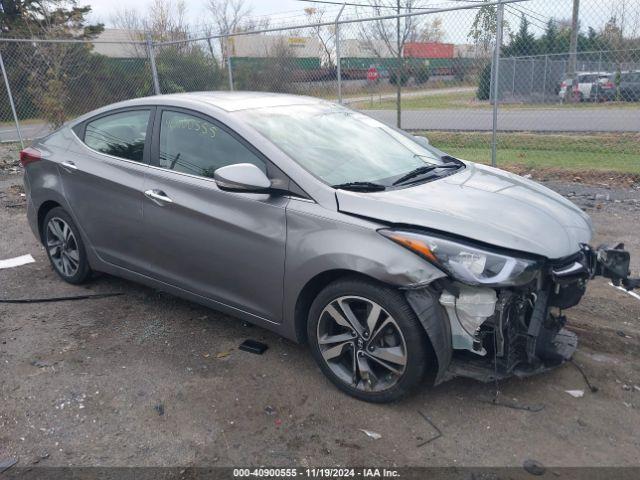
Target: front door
[224,246]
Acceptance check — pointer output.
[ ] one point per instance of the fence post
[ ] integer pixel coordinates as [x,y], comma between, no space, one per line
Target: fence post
[13,106]
[338,66]
[495,79]
[533,71]
[544,79]
[514,60]
[597,80]
[226,40]
[152,61]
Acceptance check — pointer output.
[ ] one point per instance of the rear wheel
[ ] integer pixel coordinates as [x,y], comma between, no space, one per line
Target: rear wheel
[65,248]
[368,341]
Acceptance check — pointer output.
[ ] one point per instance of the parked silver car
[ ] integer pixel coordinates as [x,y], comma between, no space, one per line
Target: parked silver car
[392,259]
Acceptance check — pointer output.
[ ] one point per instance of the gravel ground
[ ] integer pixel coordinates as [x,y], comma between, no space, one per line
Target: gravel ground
[148,379]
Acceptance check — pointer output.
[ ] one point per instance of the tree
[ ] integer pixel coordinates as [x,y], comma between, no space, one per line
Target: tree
[228,17]
[484,83]
[433,31]
[550,40]
[392,35]
[325,35]
[484,27]
[522,43]
[41,72]
[46,18]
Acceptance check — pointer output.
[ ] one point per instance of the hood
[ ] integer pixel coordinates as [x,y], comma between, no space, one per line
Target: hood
[483,204]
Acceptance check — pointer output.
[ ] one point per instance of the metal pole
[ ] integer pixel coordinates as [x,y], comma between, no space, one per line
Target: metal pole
[399,72]
[338,66]
[513,78]
[544,79]
[496,78]
[13,106]
[152,60]
[573,49]
[229,64]
[597,80]
[533,71]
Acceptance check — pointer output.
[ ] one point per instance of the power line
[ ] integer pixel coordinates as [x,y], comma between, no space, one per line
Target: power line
[327,2]
[519,14]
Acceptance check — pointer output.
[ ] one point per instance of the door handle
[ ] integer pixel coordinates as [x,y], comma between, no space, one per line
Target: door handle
[158,196]
[69,165]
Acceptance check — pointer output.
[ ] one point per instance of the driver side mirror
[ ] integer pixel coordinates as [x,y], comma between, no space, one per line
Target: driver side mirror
[424,141]
[242,177]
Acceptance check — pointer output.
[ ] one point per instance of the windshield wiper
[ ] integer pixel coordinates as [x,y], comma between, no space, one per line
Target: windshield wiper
[360,186]
[422,171]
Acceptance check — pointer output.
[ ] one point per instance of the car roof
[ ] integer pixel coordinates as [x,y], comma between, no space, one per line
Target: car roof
[234,101]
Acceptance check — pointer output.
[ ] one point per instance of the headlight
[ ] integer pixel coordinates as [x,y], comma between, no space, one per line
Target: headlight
[467,264]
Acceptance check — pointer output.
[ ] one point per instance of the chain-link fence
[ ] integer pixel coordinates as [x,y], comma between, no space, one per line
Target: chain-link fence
[563,66]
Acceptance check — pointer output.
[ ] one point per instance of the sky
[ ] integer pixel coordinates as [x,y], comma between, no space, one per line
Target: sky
[455,24]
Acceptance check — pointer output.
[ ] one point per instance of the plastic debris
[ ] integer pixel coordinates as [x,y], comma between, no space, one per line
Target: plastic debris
[17,261]
[575,393]
[253,346]
[7,463]
[223,354]
[628,292]
[533,467]
[369,433]
[159,408]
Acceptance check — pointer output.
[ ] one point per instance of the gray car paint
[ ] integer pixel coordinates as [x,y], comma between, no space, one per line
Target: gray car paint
[275,245]
[484,204]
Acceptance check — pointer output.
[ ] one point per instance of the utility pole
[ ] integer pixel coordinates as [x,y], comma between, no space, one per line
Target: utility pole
[573,50]
[399,71]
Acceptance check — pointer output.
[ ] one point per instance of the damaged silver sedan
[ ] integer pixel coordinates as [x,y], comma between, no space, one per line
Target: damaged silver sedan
[398,263]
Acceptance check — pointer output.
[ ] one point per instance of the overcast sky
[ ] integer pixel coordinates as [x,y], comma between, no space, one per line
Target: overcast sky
[455,24]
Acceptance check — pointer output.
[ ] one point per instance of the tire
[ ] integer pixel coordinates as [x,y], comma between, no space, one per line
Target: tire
[356,369]
[65,248]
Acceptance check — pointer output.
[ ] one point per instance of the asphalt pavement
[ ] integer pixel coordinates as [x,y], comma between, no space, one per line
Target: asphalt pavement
[530,120]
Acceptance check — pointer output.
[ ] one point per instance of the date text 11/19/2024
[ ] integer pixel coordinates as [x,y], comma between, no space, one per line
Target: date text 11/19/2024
[315,473]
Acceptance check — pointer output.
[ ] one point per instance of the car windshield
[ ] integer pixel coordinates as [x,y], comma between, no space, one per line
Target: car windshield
[341,146]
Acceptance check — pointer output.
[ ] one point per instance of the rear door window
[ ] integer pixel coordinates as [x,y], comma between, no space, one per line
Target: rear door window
[120,134]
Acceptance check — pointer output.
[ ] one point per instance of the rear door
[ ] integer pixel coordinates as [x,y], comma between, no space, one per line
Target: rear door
[221,245]
[103,179]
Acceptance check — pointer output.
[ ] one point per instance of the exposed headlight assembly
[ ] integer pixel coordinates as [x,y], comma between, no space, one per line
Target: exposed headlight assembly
[467,264]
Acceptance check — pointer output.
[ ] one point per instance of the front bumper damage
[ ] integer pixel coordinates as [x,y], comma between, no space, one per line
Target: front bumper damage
[493,333]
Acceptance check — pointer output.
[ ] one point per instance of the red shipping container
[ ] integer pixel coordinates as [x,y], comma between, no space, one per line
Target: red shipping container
[428,50]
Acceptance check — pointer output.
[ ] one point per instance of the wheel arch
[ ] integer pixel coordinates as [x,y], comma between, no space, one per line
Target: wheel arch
[45,208]
[310,291]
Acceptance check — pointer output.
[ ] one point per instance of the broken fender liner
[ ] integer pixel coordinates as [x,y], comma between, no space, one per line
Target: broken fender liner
[60,299]
[432,317]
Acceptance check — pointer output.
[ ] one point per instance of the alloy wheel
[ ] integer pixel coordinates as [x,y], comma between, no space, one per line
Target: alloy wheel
[362,344]
[63,247]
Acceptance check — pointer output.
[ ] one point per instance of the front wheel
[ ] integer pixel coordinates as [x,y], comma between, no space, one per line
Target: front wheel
[368,341]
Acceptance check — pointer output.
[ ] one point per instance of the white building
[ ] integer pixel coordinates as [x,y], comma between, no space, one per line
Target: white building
[119,45]
[266,45]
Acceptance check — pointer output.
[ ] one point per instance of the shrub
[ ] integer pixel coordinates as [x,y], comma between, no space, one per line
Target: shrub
[484,83]
[422,74]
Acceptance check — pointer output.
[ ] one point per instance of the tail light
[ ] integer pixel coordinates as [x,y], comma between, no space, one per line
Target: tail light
[29,155]
[608,85]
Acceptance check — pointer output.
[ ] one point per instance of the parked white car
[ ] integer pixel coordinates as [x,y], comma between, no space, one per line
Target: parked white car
[586,80]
